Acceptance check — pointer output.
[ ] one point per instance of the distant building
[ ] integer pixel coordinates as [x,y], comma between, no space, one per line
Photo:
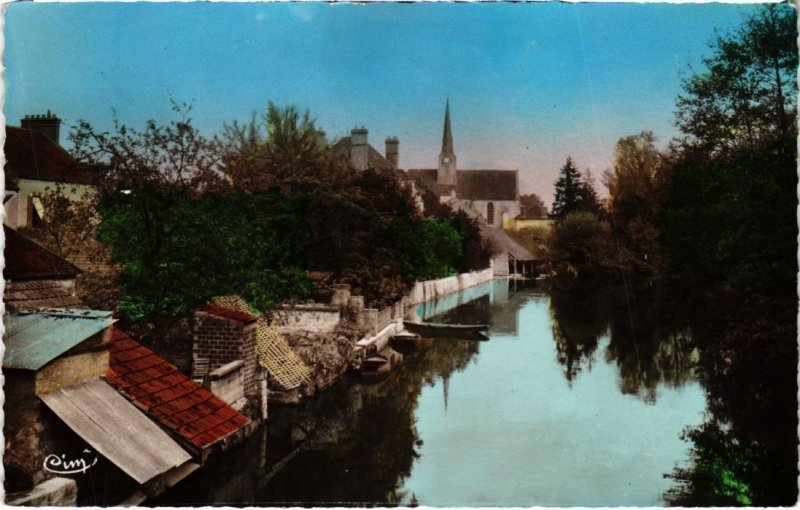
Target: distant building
[362,155]
[36,163]
[491,193]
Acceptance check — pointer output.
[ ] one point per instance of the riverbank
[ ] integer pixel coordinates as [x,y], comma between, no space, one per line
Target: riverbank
[330,338]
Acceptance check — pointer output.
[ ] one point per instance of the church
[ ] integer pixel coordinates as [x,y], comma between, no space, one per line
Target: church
[491,193]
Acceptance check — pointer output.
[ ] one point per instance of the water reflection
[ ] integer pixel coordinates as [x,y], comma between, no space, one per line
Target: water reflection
[649,337]
[498,424]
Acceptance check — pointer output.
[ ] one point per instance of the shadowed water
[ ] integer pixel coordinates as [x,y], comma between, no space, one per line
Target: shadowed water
[579,398]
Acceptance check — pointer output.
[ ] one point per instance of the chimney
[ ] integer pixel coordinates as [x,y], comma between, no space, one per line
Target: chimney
[49,125]
[392,150]
[358,148]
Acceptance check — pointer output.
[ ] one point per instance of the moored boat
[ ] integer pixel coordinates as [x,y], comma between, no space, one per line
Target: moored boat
[434,329]
[375,368]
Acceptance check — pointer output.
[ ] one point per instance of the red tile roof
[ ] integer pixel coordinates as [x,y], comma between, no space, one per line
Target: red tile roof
[167,395]
[226,313]
[27,260]
[31,155]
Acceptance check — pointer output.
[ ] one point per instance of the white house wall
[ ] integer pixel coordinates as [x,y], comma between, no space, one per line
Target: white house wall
[509,208]
[17,209]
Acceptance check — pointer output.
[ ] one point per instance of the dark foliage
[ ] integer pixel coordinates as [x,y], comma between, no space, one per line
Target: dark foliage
[177,250]
[733,218]
[574,192]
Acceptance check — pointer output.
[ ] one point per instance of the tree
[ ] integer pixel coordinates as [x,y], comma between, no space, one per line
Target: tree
[640,181]
[69,229]
[178,250]
[577,238]
[747,91]
[573,192]
[534,206]
[171,156]
[292,155]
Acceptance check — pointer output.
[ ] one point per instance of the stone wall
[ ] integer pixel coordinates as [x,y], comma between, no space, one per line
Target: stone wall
[433,289]
[315,317]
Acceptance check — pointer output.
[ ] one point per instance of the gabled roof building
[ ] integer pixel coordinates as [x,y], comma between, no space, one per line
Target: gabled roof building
[36,163]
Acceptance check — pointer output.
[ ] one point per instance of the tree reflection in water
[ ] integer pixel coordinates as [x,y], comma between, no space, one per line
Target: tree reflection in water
[371,436]
[649,338]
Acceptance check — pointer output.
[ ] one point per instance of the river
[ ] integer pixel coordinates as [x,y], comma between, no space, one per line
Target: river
[579,398]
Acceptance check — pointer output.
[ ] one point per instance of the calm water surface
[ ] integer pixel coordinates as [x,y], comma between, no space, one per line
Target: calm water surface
[579,398]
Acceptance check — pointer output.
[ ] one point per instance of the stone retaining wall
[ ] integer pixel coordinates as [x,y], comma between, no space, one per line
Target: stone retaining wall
[433,289]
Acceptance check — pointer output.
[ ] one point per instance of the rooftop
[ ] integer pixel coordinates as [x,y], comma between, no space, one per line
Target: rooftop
[31,155]
[168,396]
[37,294]
[35,338]
[374,158]
[27,260]
[473,184]
[228,313]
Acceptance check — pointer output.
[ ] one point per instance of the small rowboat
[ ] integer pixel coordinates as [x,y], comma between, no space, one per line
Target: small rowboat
[405,343]
[374,368]
[433,329]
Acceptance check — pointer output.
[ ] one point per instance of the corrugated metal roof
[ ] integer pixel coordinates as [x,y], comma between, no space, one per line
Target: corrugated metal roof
[116,429]
[33,339]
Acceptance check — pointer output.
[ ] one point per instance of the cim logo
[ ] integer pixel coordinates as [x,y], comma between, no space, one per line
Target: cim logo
[63,466]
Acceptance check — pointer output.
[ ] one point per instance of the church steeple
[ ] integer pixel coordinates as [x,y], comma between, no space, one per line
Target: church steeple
[447,135]
[447,158]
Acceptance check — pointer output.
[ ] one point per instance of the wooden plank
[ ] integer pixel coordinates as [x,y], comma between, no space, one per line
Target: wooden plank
[116,429]
[92,433]
[143,431]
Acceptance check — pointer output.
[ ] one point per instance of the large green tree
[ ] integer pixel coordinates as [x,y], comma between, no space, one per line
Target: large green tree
[747,89]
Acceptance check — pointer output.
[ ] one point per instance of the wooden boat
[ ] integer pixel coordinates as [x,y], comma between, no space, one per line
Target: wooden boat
[374,368]
[433,329]
[405,343]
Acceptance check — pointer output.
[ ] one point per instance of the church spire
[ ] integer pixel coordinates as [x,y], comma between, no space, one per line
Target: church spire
[447,135]
[446,177]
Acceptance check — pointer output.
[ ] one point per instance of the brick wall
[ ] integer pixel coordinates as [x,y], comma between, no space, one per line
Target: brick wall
[218,339]
[224,340]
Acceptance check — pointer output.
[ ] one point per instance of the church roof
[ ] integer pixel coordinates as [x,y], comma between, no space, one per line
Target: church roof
[374,158]
[474,184]
[487,185]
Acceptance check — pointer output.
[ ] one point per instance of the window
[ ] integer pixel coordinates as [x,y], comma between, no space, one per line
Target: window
[490,213]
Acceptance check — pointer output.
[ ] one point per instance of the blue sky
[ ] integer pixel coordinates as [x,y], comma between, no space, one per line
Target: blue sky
[528,84]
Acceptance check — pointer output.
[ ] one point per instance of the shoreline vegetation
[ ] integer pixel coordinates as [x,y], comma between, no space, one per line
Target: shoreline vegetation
[267,211]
